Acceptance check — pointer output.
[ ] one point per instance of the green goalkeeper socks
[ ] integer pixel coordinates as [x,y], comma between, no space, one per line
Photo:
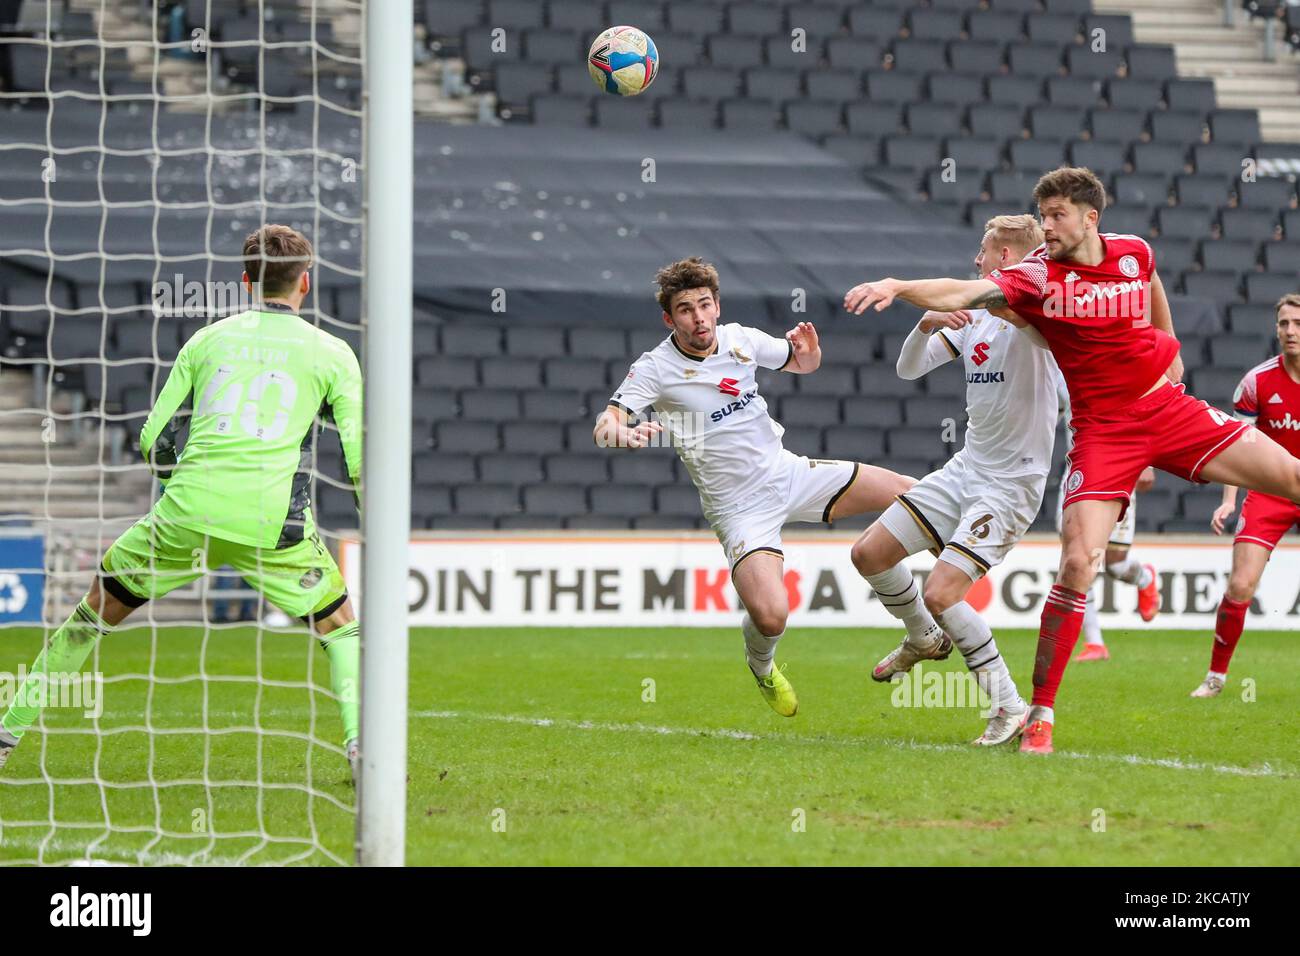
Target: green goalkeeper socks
[343,648]
[63,656]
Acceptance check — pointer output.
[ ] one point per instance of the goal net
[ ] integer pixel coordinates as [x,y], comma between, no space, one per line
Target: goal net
[139,144]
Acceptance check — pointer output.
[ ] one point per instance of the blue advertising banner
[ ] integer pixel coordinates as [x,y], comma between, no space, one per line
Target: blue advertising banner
[22,579]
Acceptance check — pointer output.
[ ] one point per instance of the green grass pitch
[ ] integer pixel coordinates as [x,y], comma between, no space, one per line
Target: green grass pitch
[539,746]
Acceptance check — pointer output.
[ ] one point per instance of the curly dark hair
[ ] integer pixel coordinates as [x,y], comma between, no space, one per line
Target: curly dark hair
[692,273]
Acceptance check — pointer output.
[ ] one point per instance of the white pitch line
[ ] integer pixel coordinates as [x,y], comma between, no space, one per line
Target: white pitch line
[586,724]
[1136,760]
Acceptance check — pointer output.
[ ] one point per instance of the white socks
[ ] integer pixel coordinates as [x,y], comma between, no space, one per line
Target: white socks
[1092,622]
[975,641]
[1130,571]
[898,593]
[759,648]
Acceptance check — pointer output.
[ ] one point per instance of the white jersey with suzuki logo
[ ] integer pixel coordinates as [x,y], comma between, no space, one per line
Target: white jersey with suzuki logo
[1011,402]
[712,411]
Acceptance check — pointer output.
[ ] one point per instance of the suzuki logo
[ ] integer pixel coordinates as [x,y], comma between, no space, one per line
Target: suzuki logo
[980,353]
[730,386]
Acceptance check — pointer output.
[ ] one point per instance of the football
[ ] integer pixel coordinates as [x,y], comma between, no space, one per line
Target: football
[623,61]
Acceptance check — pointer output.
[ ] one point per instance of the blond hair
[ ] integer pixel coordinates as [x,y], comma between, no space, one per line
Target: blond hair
[1291,298]
[1021,232]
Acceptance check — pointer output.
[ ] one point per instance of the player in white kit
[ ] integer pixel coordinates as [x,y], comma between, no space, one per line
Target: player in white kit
[973,510]
[1119,565]
[701,382]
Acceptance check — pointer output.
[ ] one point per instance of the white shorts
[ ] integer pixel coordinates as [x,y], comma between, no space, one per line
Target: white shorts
[970,520]
[811,487]
[1121,536]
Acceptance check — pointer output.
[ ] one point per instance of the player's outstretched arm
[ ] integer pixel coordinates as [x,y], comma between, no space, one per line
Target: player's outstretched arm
[1226,507]
[923,350]
[345,405]
[805,350]
[158,434]
[941,295]
[613,431]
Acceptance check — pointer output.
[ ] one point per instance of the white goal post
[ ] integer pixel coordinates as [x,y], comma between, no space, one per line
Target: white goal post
[388,44]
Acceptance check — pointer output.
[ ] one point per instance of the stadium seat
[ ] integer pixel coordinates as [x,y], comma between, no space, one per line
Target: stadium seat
[813,118]
[1201,190]
[1281,257]
[890,87]
[1234,255]
[1271,193]
[1094,64]
[854,443]
[924,443]
[511,469]
[919,56]
[561,110]
[619,500]
[621,113]
[647,16]
[677,501]
[872,412]
[748,114]
[1034,59]
[853,53]
[1151,61]
[1177,126]
[1256,224]
[994,25]
[835,85]
[1266,288]
[1236,353]
[1220,288]
[1237,128]
[773,84]
[1057,28]
[1133,94]
[1183,222]
[1217,159]
[813,410]
[976,58]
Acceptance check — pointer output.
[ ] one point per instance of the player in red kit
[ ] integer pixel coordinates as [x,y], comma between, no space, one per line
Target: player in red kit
[1097,302]
[1269,396]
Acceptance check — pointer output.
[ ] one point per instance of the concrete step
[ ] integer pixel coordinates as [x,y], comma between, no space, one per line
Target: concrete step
[56,508]
[57,455]
[1255,70]
[90,492]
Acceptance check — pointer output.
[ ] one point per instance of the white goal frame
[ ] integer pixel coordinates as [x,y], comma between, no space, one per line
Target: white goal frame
[389,28]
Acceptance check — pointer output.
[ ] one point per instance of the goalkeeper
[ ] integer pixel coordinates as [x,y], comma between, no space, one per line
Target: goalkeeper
[238,493]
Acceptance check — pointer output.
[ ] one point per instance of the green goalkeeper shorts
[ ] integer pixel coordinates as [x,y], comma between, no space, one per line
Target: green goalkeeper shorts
[153,557]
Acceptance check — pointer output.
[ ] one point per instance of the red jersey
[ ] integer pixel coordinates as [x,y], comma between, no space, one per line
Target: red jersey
[1270,397]
[1095,319]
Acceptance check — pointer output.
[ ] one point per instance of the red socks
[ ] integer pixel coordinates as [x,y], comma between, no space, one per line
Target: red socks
[1227,632]
[1061,622]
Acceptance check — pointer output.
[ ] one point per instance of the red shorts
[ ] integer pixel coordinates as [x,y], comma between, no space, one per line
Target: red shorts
[1168,429]
[1265,518]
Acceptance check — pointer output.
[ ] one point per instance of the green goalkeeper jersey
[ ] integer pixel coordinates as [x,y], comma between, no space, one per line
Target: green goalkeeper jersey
[257,380]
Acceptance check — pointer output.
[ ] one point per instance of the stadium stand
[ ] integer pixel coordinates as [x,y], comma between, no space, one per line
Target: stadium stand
[878,145]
